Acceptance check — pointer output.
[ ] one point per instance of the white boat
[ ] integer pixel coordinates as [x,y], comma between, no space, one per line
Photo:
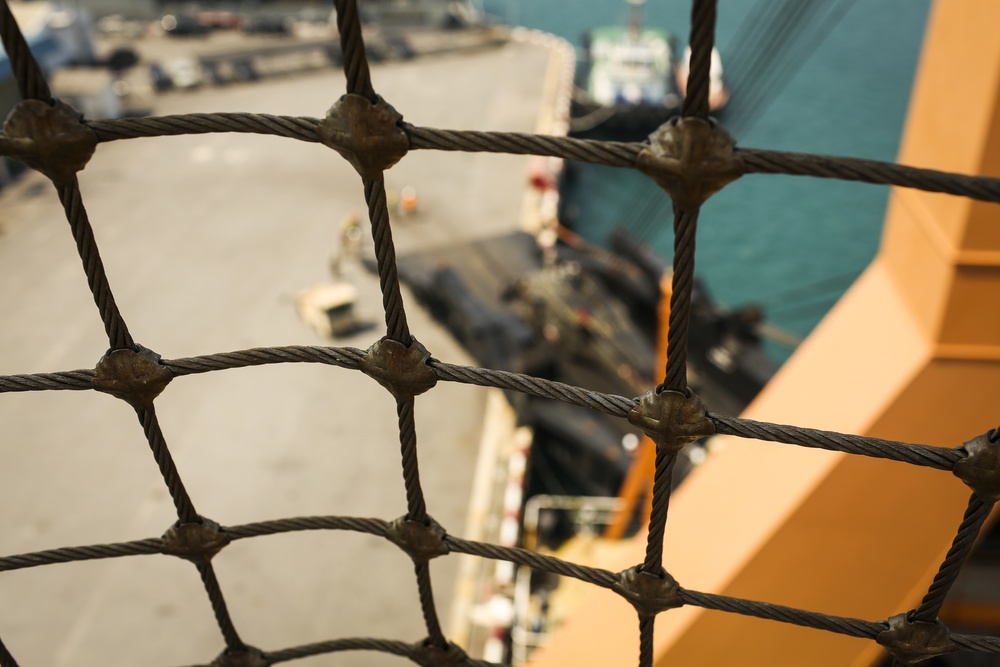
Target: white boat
[627,83]
[718,94]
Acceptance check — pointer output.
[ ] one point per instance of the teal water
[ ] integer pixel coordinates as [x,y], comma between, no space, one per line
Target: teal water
[791,244]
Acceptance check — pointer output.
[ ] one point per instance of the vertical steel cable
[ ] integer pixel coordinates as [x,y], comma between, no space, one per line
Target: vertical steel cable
[702,40]
[233,641]
[658,517]
[426,591]
[961,547]
[682,284]
[151,427]
[97,279]
[385,255]
[6,659]
[32,85]
[359,80]
[30,81]
[646,625]
[416,507]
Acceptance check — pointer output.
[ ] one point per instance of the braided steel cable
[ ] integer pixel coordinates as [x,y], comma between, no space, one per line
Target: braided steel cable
[979,643]
[427,607]
[609,404]
[415,504]
[390,646]
[646,627]
[610,153]
[371,526]
[385,255]
[151,427]
[64,381]
[702,41]
[74,554]
[415,652]
[759,161]
[975,516]
[662,478]
[345,357]
[292,127]
[853,627]
[533,559]
[233,641]
[682,285]
[359,80]
[97,279]
[6,659]
[31,83]
[920,455]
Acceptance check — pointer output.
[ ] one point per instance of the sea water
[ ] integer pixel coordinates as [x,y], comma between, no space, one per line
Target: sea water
[791,244]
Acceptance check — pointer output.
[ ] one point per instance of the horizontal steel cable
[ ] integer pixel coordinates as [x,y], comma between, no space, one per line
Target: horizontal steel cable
[65,380]
[412,651]
[609,404]
[153,545]
[921,455]
[978,643]
[611,153]
[349,357]
[759,161]
[302,128]
[392,646]
[853,627]
[532,559]
[345,357]
[371,526]
[72,554]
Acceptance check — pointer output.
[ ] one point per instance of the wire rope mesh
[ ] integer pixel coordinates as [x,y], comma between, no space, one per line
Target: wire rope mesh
[132,373]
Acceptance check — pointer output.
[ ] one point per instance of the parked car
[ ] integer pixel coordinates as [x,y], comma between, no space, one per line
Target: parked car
[268,25]
[183,26]
[159,79]
[185,73]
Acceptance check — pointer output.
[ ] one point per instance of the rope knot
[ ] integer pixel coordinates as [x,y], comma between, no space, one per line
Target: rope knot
[980,469]
[429,654]
[649,593]
[401,369]
[691,159]
[671,419]
[50,138]
[135,376]
[196,542]
[913,641]
[248,657]
[367,134]
[421,541]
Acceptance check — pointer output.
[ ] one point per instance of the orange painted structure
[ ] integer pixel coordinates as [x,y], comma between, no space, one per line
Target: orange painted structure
[912,353]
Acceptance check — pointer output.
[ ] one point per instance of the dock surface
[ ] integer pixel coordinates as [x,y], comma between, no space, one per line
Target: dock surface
[207,240]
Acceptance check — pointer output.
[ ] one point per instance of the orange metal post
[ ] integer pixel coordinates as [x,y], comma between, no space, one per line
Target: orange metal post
[639,480]
[912,352]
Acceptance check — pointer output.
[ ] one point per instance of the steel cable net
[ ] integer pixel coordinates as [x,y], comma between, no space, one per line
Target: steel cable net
[690,157]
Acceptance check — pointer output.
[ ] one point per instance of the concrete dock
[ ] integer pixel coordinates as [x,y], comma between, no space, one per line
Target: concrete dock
[207,240]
